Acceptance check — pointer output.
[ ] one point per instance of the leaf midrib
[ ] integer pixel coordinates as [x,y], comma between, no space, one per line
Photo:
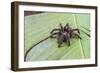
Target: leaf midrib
[82,51]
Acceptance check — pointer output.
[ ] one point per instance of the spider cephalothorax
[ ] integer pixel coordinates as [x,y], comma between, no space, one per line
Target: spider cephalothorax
[64,34]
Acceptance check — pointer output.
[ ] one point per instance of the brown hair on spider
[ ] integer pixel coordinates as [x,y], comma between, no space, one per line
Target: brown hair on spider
[64,34]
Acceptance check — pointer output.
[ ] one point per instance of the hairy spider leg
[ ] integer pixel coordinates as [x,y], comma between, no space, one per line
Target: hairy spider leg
[62,29]
[67,25]
[67,28]
[60,40]
[54,34]
[76,34]
[54,30]
[76,30]
[67,37]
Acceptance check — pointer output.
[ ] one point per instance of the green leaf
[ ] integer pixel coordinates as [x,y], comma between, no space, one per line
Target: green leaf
[38,27]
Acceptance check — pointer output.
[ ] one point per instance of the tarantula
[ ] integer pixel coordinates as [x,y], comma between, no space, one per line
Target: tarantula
[64,34]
